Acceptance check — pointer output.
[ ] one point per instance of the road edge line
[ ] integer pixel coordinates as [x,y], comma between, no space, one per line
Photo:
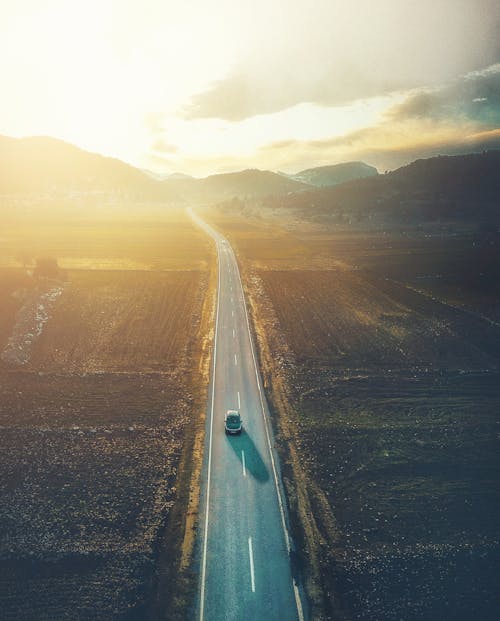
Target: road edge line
[298,601]
[209,464]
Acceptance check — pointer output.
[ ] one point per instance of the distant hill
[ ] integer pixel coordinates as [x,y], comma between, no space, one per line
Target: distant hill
[247,184]
[47,165]
[443,188]
[439,188]
[322,176]
[41,165]
[475,176]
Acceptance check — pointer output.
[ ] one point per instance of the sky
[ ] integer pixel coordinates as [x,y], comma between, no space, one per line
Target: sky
[200,87]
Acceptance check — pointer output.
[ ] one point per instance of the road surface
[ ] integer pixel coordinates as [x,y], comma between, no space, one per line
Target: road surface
[244,548]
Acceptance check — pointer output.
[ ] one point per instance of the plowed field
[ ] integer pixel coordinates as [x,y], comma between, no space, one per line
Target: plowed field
[94,423]
[121,321]
[166,240]
[381,358]
[343,319]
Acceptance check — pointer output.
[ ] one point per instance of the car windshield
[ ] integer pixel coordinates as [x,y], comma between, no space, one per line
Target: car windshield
[233,419]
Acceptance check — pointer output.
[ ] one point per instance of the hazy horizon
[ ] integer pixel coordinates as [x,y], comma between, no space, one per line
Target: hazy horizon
[204,89]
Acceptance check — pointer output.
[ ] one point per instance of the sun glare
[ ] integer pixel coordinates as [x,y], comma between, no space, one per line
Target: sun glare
[94,83]
[96,73]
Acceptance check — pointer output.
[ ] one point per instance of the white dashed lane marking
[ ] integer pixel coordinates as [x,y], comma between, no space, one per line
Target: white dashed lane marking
[252,574]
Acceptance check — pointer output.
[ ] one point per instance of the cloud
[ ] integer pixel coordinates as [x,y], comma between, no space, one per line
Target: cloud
[385,147]
[162,146]
[243,95]
[334,55]
[232,99]
[330,150]
[459,117]
[491,138]
[382,154]
[475,96]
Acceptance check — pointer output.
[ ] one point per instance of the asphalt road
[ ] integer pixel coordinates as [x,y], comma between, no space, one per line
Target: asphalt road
[244,548]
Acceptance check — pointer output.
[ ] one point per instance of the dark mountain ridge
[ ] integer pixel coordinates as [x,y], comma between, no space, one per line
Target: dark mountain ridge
[438,188]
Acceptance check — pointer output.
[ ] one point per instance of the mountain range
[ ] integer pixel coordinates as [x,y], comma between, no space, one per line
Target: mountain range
[460,186]
[41,165]
[443,188]
[47,165]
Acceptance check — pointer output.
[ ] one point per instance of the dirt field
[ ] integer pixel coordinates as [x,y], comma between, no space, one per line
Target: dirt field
[132,320]
[94,441]
[131,241]
[382,368]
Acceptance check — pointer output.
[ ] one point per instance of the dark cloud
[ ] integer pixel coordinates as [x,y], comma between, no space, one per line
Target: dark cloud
[242,95]
[475,97]
[335,55]
[232,99]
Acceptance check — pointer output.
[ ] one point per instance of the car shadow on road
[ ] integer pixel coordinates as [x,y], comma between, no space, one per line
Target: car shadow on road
[254,465]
